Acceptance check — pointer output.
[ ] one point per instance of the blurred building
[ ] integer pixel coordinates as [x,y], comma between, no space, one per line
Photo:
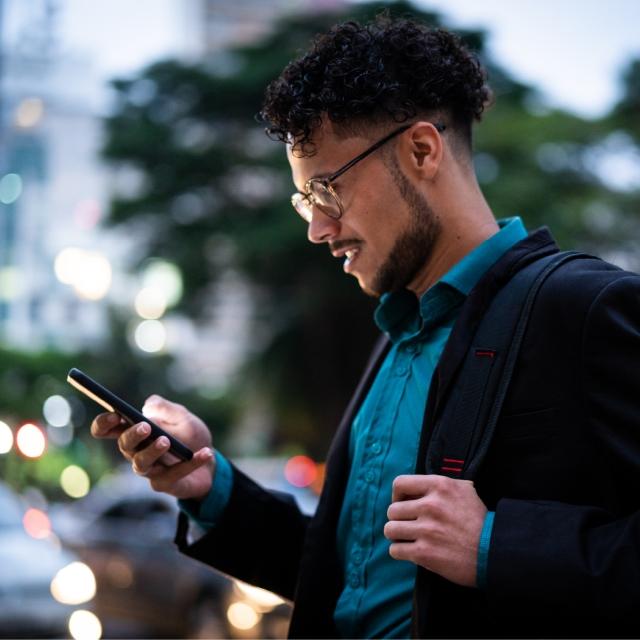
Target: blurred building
[216,25]
[52,191]
[60,270]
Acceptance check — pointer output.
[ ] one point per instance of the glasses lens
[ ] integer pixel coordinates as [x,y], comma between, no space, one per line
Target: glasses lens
[302,206]
[325,199]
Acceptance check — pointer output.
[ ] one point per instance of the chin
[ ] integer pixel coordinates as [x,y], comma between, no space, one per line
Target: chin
[368,288]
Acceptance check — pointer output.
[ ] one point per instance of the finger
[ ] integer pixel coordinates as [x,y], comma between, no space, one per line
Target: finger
[410,487]
[403,510]
[402,531]
[169,476]
[144,459]
[132,437]
[402,551]
[157,407]
[108,425]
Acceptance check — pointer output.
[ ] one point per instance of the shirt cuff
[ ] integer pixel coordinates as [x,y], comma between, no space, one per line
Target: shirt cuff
[207,512]
[483,550]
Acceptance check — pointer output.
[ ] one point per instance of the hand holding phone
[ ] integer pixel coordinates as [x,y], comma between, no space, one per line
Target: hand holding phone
[111,402]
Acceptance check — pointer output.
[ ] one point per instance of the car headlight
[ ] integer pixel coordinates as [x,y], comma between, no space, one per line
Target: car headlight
[74,584]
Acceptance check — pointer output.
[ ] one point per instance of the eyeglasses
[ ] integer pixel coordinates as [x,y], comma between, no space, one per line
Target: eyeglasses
[319,193]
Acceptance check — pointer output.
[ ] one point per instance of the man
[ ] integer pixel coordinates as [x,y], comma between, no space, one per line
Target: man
[546,541]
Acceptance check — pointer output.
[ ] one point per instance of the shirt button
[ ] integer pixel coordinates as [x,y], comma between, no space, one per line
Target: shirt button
[401,370]
[370,476]
[376,448]
[356,556]
[413,348]
[354,582]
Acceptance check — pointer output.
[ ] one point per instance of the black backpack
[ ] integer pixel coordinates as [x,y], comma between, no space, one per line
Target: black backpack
[462,435]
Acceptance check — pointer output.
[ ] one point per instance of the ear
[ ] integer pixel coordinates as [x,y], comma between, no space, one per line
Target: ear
[422,150]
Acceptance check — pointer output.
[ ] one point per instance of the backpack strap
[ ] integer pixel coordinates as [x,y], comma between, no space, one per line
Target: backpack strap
[462,436]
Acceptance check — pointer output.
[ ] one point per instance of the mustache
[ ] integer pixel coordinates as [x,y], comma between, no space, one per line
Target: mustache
[341,244]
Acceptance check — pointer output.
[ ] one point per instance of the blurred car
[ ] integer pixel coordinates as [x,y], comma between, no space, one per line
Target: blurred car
[41,584]
[145,588]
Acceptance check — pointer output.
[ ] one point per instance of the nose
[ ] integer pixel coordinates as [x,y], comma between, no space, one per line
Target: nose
[322,228]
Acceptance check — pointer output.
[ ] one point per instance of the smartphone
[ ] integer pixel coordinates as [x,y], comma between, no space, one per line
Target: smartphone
[111,402]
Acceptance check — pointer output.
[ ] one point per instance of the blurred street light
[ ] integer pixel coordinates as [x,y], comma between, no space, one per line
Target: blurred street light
[88,272]
[30,440]
[300,471]
[150,336]
[75,481]
[56,411]
[74,584]
[151,303]
[36,523]
[164,276]
[243,616]
[29,112]
[84,625]
[10,188]
[6,438]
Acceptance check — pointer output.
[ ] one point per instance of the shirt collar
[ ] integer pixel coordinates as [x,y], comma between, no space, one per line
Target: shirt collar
[465,274]
[400,312]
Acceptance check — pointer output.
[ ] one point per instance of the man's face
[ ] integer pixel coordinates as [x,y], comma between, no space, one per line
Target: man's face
[387,232]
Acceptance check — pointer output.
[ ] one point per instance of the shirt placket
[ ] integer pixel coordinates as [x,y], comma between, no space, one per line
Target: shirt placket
[368,487]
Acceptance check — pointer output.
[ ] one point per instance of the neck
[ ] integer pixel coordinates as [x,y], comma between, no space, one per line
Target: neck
[466,224]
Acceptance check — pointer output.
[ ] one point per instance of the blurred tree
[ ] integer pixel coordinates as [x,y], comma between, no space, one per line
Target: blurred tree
[213,197]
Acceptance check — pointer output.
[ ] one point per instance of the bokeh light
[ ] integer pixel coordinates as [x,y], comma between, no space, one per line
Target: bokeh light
[88,272]
[87,213]
[85,625]
[75,481]
[67,263]
[10,188]
[36,523]
[243,616]
[74,584]
[93,281]
[165,277]
[150,303]
[150,336]
[60,436]
[300,471]
[29,112]
[6,438]
[10,283]
[56,411]
[30,440]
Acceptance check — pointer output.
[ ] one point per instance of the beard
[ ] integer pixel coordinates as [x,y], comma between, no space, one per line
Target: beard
[414,247]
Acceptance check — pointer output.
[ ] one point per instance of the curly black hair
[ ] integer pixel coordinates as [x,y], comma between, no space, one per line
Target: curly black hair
[386,70]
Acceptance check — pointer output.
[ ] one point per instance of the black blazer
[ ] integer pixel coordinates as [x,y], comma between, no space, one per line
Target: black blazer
[562,474]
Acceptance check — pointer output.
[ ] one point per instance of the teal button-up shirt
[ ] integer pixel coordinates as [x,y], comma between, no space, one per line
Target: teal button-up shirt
[377,595]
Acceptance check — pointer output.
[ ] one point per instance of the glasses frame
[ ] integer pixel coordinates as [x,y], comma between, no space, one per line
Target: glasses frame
[306,198]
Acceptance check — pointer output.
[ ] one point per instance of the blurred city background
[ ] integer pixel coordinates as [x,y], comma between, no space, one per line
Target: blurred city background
[146,237]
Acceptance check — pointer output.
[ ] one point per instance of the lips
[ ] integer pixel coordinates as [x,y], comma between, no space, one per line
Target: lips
[347,250]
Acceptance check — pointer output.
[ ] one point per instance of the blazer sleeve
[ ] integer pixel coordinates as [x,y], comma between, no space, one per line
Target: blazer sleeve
[258,537]
[577,561]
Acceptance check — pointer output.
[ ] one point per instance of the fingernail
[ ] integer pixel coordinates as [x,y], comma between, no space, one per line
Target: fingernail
[113,418]
[207,454]
[142,429]
[162,442]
